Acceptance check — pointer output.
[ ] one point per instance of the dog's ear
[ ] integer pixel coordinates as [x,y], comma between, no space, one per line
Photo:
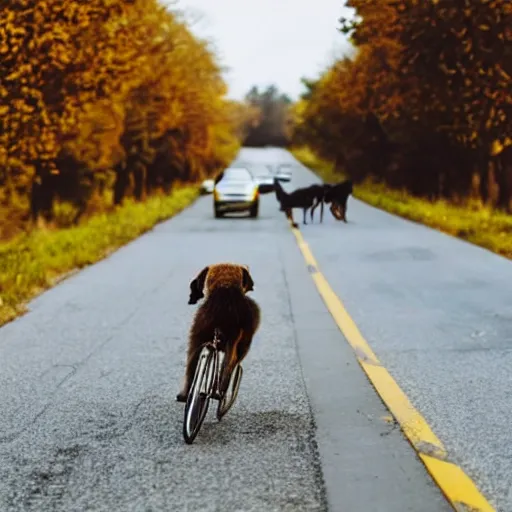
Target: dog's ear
[197,285]
[247,282]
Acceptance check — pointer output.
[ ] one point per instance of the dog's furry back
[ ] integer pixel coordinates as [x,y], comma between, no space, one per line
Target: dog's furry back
[339,192]
[299,198]
[227,309]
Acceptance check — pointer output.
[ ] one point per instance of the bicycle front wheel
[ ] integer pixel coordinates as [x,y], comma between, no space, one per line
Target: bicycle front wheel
[199,395]
[229,397]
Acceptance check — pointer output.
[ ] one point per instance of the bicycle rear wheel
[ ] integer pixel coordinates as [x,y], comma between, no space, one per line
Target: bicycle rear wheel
[227,401]
[198,398]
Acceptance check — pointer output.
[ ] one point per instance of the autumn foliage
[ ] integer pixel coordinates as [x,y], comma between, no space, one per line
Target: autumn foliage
[425,104]
[268,121]
[101,100]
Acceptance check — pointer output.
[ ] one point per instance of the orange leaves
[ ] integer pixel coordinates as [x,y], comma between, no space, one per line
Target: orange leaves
[431,83]
[108,82]
[464,78]
[443,63]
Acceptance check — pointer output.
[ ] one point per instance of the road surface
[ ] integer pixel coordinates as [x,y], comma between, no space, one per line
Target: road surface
[88,377]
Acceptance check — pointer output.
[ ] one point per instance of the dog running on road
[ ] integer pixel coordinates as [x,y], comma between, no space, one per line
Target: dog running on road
[299,198]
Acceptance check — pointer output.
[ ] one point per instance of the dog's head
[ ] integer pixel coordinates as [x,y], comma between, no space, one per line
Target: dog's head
[220,275]
[338,192]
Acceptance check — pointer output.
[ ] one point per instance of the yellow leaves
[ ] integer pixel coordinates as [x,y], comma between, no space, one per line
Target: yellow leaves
[60,58]
[16,31]
[47,143]
[498,146]
[417,62]
[104,78]
[21,71]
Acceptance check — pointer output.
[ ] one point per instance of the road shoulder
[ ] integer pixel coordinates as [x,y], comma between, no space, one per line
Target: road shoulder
[366,461]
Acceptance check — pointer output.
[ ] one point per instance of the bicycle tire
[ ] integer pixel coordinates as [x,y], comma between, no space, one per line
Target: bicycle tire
[198,398]
[226,403]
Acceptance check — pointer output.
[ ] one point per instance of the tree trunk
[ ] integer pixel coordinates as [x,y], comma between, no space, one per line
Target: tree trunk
[139,177]
[42,195]
[484,183]
[121,184]
[492,185]
[35,199]
[504,177]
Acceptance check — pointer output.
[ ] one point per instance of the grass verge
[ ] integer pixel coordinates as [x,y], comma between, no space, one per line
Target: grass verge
[33,263]
[479,225]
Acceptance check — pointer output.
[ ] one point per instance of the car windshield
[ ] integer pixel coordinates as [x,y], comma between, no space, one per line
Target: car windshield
[237,174]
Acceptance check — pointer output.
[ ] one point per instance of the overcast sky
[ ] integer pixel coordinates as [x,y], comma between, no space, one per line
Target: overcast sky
[269,41]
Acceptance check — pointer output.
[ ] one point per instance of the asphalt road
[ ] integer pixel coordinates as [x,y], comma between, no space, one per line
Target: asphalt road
[437,312]
[88,377]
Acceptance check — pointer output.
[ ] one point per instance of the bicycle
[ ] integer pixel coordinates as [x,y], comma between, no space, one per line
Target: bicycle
[206,386]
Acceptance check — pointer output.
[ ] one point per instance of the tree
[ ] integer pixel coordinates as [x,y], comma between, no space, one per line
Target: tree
[271,126]
[429,92]
[104,92]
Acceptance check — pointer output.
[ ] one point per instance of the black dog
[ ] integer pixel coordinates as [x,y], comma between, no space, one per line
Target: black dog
[300,198]
[337,195]
[320,192]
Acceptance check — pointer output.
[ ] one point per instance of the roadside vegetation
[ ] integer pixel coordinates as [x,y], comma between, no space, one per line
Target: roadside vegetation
[420,118]
[471,221]
[110,113]
[31,263]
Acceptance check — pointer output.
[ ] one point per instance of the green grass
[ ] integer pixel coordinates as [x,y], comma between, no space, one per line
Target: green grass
[323,168]
[32,263]
[479,225]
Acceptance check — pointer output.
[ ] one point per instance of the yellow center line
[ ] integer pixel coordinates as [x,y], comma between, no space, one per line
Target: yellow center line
[458,488]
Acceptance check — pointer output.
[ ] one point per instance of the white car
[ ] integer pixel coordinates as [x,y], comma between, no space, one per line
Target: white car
[263,176]
[283,173]
[236,190]
[207,186]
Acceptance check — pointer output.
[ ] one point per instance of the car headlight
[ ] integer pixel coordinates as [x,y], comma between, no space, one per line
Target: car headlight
[215,194]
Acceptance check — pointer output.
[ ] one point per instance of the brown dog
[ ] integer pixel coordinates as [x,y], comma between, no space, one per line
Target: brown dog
[227,308]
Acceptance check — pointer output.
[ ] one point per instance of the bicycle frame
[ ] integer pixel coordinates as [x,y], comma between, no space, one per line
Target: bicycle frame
[213,345]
